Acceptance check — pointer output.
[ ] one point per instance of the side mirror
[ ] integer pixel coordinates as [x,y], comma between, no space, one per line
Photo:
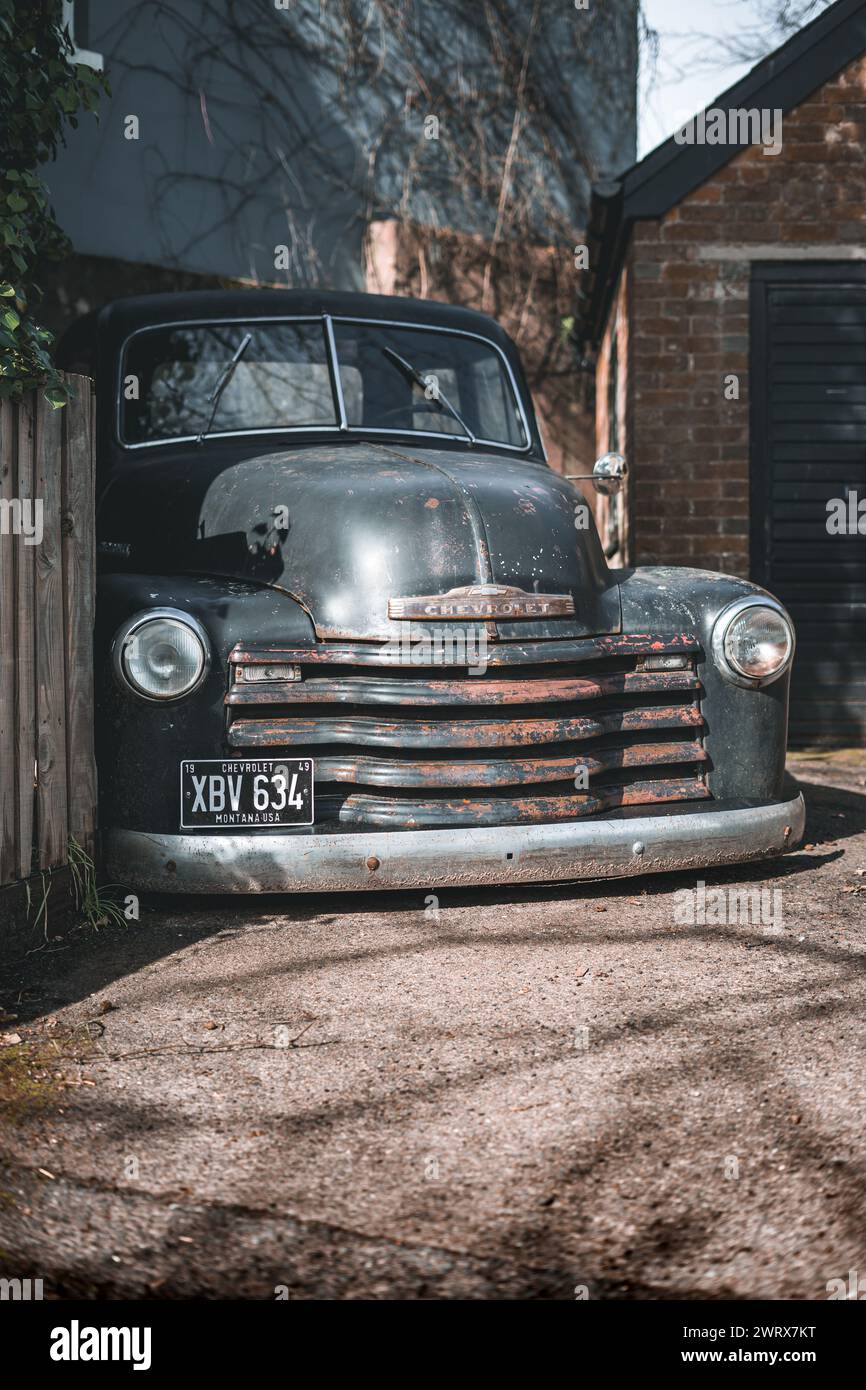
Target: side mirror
[609,474]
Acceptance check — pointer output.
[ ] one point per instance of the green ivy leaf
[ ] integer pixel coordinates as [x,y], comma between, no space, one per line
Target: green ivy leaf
[41,91]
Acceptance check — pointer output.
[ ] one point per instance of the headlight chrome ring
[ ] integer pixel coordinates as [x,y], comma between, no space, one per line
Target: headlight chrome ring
[160,654]
[737,632]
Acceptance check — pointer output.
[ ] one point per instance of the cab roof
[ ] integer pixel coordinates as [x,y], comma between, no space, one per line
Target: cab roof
[121,317]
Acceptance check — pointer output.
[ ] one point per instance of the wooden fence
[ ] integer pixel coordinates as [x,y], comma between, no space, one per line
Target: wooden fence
[47,595]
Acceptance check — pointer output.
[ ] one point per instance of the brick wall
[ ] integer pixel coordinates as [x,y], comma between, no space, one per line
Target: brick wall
[613,406]
[689,324]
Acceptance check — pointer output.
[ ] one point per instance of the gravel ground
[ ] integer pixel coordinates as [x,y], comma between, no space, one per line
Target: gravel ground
[527,1092]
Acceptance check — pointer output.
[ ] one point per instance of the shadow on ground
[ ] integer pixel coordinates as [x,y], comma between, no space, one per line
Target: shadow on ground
[62,971]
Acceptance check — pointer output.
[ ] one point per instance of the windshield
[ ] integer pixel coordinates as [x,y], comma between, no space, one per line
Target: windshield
[195,380]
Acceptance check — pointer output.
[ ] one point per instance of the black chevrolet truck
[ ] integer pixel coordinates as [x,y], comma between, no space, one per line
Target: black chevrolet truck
[353,632]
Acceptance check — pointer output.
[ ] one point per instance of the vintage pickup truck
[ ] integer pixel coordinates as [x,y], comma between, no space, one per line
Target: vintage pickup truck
[353,632]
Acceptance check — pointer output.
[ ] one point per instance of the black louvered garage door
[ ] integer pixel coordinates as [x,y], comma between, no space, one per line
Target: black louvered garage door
[808,446]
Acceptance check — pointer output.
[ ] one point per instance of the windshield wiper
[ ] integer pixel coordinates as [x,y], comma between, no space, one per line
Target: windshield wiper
[419,379]
[225,377]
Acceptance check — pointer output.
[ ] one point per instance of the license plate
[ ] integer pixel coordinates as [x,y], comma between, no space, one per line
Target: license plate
[262,792]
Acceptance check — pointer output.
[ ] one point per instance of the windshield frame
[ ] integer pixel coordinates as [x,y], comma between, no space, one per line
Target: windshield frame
[340,427]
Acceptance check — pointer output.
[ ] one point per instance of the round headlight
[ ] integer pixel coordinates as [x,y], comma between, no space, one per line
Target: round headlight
[753,642]
[162,654]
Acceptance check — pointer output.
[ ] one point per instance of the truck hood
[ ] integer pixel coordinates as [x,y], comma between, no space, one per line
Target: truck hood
[343,530]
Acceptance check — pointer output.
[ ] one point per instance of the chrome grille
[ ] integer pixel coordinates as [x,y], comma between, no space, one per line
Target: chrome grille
[404,748]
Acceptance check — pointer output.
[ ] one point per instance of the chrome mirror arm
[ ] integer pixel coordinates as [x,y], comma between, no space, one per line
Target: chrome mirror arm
[607,477]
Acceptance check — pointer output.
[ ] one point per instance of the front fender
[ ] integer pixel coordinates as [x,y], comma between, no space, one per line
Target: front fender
[140,744]
[746,730]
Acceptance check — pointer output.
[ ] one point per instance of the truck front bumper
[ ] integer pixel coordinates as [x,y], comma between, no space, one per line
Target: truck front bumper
[603,848]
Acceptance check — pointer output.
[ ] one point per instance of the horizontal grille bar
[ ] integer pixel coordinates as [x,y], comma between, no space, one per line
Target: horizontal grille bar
[465,733]
[362,809]
[400,743]
[367,690]
[493,772]
[498,654]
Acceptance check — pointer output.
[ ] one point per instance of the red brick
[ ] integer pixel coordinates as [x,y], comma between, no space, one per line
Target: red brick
[689,323]
[707,193]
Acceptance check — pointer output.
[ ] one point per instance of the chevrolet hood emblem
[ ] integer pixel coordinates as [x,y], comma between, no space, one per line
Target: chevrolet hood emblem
[482,601]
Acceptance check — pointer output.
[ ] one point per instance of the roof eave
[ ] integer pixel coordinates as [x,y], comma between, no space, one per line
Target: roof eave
[671,171]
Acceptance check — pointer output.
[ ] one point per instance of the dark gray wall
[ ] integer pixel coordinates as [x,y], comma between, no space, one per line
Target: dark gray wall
[262,126]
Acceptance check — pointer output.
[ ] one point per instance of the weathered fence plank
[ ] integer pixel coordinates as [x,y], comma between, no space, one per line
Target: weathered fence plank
[25,669]
[8,780]
[47,602]
[51,806]
[79,571]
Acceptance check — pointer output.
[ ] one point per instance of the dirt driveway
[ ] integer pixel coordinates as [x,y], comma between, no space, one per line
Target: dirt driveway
[521,1093]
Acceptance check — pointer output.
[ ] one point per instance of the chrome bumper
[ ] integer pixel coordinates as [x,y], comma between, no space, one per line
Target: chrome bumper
[223,863]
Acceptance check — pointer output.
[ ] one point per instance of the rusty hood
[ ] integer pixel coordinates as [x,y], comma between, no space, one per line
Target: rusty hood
[345,529]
